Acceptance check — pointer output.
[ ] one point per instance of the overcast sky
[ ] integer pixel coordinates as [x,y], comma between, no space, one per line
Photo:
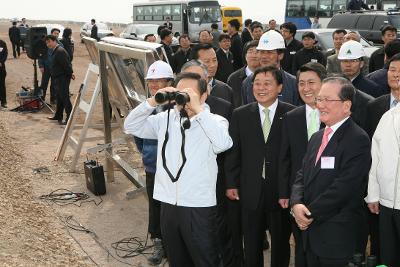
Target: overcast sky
[120,10]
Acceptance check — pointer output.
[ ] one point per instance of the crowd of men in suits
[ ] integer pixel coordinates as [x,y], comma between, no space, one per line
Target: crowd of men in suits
[295,160]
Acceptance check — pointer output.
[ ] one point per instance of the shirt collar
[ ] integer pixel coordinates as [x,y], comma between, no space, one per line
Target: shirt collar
[309,109]
[337,125]
[248,71]
[271,107]
[392,98]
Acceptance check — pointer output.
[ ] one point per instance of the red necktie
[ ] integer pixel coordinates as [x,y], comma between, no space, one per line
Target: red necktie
[324,143]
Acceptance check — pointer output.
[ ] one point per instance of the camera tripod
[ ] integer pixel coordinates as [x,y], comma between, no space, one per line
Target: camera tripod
[37,96]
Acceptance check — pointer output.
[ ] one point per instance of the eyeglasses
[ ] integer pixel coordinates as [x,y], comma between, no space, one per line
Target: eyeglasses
[325,99]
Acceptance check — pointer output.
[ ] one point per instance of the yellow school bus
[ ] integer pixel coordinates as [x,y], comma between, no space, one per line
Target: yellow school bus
[228,13]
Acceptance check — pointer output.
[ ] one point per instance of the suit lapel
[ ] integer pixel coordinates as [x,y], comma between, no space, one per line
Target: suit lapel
[303,124]
[329,150]
[256,121]
[279,112]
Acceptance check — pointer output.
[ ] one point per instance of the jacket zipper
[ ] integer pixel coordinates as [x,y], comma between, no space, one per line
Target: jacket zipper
[398,165]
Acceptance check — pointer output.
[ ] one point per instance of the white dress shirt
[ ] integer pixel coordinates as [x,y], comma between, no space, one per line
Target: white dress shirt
[335,127]
[308,115]
[207,136]
[248,71]
[272,110]
[392,98]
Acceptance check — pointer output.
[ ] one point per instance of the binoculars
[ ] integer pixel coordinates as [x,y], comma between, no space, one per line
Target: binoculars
[180,98]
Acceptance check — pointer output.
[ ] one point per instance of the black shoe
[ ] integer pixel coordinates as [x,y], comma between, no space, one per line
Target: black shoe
[54,119]
[4,105]
[158,253]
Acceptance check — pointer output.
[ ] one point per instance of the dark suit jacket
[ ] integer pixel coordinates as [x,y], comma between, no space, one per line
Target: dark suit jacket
[367,86]
[375,110]
[293,148]
[359,108]
[221,90]
[223,108]
[246,36]
[225,65]
[244,161]
[380,78]
[236,49]
[93,33]
[377,60]
[334,196]
[235,81]
[14,34]
[290,52]
[180,58]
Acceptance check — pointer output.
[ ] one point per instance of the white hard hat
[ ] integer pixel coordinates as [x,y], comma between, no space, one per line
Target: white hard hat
[271,40]
[351,50]
[159,70]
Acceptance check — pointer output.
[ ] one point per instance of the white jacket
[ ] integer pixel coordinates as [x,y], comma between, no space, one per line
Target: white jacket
[384,176]
[207,136]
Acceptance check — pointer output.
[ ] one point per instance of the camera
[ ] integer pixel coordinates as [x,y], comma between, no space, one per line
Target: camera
[180,98]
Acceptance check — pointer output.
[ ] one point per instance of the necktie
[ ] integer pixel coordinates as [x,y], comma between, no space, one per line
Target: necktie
[266,127]
[394,103]
[324,143]
[313,124]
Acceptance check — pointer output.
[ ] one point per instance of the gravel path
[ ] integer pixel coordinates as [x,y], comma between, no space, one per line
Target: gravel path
[29,232]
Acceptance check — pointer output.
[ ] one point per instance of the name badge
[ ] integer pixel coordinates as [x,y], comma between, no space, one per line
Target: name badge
[327,162]
[293,52]
[314,60]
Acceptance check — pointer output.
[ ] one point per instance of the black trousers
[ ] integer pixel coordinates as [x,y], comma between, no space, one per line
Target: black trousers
[315,261]
[389,229]
[154,208]
[190,236]
[45,83]
[300,255]
[61,84]
[3,95]
[254,222]
[234,228]
[16,49]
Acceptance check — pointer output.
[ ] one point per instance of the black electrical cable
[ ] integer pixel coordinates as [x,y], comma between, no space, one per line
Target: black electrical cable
[64,197]
[131,247]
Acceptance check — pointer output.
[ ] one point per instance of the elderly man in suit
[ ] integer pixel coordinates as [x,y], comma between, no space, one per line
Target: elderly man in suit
[327,195]
[305,119]
[252,169]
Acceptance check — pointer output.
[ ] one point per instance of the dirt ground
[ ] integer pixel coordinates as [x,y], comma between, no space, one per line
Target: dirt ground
[34,232]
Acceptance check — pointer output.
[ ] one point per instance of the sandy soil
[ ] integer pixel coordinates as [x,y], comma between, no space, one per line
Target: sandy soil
[33,232]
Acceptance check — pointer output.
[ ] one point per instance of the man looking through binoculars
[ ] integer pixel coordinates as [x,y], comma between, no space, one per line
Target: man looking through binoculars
[187,169]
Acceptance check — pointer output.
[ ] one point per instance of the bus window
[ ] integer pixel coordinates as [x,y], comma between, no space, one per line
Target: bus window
[294,8]
[232,13]
[167,11]
[310,8]
[325,8]
[176,12]
[157,13]
[205,14]
[139,13]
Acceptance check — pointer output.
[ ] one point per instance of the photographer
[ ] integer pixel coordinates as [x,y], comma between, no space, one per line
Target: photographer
[186,169]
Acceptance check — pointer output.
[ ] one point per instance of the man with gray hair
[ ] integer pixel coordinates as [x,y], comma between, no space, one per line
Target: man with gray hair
[327,195]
